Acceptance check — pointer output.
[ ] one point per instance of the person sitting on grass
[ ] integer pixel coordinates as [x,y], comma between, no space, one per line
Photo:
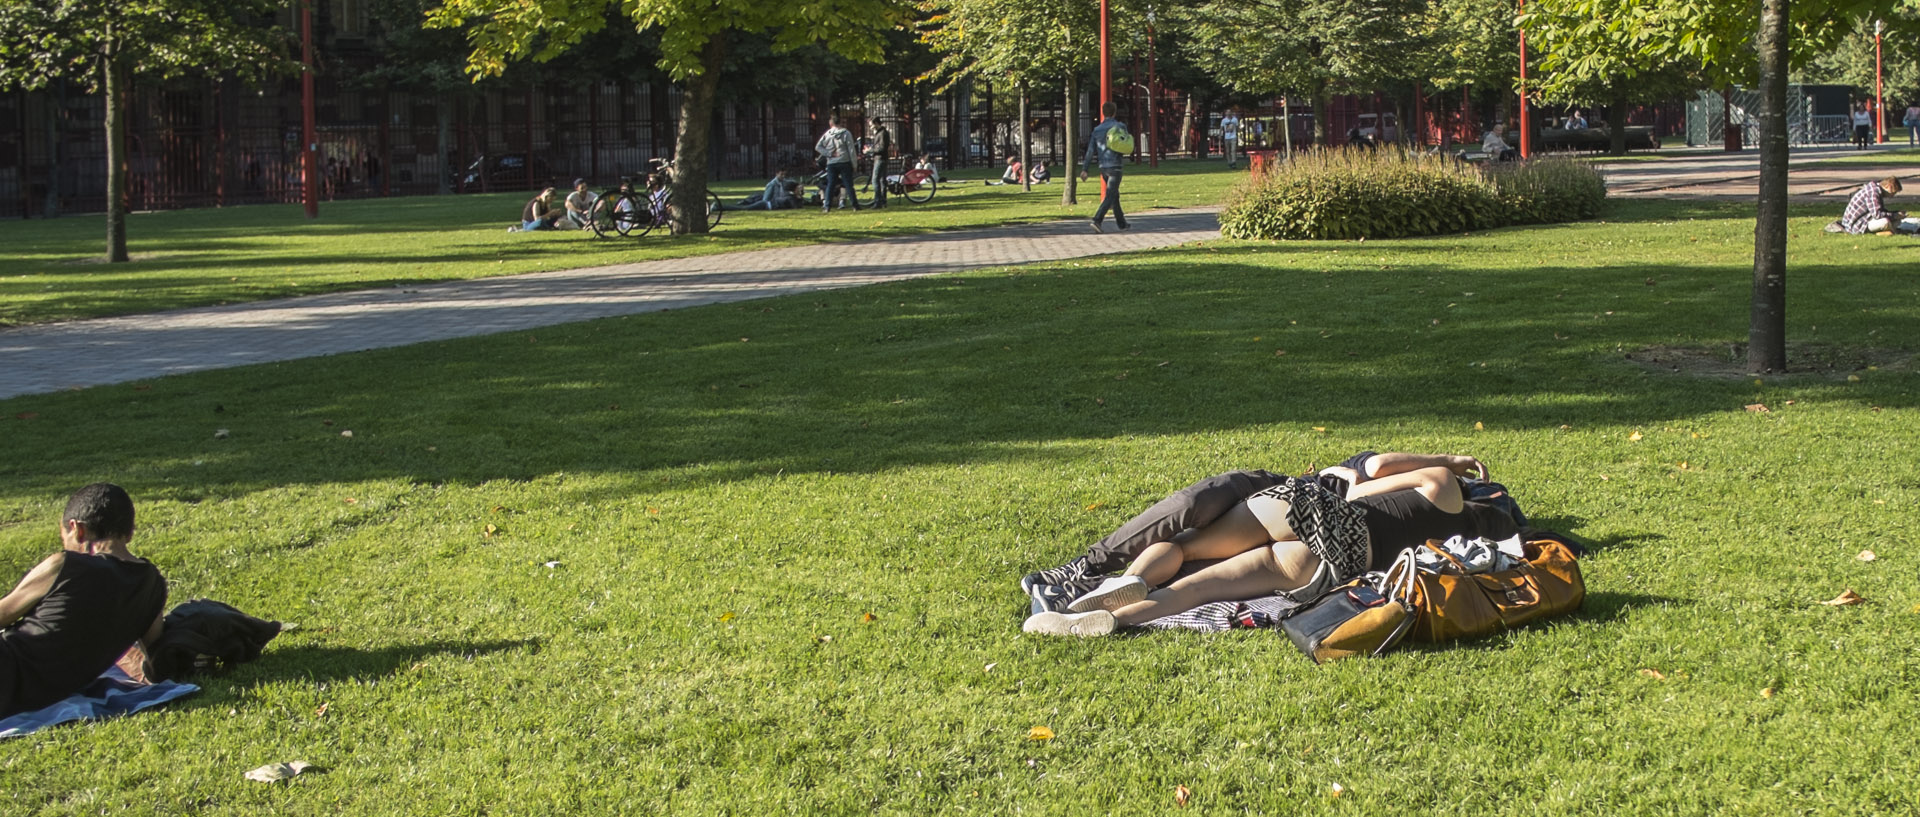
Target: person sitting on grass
[777,195]
[541,213]
[80,609]
[1012,173]
[1867,212]
[580,205]
[1040,174]
[1294,538]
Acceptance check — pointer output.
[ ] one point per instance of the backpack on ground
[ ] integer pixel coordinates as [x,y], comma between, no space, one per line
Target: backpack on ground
[1119,140]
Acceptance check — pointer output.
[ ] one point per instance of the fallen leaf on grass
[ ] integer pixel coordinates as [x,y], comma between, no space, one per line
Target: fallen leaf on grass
[1479,427]
[1338,790]
[1096,505]
[1634,437]
[1866,556]
[1766,693]
[727,616]
[1758,408]
[1845,598]
[549,565]
[1039,733]
[322,711]
[490,531]
[991,666]
[1654,674]
[280,771]
[220,433]
[1181,794]
[347,434]
[868,618]
[1321,429]
[825,639]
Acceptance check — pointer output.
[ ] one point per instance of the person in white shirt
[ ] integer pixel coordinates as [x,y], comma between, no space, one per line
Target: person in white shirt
[1495,146]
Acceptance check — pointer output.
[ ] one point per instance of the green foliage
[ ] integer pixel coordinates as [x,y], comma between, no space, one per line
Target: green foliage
[44,41]
[1304,45]
[1548,190]
[1347,194]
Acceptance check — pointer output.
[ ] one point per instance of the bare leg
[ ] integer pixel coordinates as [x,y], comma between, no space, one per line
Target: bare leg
[1283,566]
[1235,532]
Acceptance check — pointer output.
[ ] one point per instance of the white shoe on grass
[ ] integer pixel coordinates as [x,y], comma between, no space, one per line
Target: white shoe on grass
[1112,594]
[1088,624]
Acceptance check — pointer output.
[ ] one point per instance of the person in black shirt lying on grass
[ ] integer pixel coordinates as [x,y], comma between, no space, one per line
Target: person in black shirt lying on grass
[80,609]
[1294,537]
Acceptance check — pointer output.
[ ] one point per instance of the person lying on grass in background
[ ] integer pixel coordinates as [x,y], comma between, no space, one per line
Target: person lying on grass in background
[779,194]
[80,609]
[540,213]
[1867,211]
[580,205]
[1294,538]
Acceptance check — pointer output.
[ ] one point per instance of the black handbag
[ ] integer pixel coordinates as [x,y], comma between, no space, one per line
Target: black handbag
[1355,618]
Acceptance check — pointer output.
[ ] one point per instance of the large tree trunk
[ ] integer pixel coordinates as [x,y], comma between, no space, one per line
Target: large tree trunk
[1767,331]
[690,143]
[443,143]
[1069,193]
[116,122]
[1026,142]
[1617,123]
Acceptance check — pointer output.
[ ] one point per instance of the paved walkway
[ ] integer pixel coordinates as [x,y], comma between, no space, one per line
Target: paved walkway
[52,357]
[1719,174]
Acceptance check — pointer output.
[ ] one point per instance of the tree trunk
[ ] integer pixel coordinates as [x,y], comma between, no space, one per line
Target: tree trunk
[443,143]
[56,109]
[1186,128]
[690,143]
[1026,142]
[116,122]
[1617,123]
[1069,193]
[1767,331]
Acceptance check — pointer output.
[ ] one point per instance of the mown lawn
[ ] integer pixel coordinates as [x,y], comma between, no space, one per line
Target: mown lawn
[51,270]
[730,491]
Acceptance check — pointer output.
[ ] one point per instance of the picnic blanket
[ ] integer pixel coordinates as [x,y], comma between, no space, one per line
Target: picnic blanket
[111,695]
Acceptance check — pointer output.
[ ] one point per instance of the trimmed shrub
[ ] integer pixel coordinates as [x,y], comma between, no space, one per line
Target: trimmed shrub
[1545,191]
[1347,194]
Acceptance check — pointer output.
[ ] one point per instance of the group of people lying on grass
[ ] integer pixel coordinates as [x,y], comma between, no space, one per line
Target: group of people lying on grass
[1268,534]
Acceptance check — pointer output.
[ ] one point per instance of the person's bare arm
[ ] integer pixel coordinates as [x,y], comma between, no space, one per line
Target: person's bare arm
[1396,462]
[31,589]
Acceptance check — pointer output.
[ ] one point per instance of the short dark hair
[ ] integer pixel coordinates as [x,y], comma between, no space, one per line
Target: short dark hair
[1108,109]
[833,119]
[104,508]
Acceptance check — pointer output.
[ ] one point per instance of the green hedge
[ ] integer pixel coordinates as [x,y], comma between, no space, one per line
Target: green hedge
[1347,194]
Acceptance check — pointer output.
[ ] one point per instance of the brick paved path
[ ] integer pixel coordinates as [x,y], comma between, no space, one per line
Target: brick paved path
[51,357]
[1719,174]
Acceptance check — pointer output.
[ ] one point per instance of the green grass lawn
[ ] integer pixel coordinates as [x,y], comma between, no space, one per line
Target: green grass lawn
[50,270]
[730,491]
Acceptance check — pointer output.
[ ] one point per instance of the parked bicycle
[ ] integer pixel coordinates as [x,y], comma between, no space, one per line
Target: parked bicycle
[915,185]
[630,212]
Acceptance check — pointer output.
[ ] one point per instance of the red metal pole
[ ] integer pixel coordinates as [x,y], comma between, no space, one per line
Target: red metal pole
[1879,96]
[1106,86]
[310,152]
[1526,133]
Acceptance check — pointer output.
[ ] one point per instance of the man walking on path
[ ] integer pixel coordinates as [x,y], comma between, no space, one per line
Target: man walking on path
[1109,165]
[837,147]
[882,145]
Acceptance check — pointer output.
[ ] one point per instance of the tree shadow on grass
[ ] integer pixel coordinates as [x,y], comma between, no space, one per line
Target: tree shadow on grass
[314,664]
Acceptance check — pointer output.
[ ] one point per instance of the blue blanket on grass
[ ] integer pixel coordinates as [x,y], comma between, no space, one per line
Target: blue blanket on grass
[110,695]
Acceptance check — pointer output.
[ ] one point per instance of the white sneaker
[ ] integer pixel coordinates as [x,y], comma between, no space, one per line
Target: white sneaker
[1088,624]
[1112,594]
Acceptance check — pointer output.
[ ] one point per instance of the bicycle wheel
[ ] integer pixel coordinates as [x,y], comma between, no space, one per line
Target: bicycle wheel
[922,192]
[644,217]
[714,210]
[603,216]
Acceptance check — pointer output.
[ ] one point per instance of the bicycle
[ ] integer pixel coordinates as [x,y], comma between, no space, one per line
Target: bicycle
[626,211]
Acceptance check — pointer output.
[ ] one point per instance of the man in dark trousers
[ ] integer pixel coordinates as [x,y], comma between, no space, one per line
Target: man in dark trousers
[882,144]
[79,610]
[1109,167]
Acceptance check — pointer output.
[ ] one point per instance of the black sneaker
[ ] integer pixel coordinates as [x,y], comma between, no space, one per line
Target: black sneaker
[1125,226]
[1047,598]
[1096,226]
[1056,576]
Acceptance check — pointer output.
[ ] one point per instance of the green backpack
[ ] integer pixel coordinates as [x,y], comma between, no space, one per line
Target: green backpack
[1119,140]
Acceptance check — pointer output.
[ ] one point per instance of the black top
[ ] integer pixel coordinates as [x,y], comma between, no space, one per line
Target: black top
[1398,520]
[97,607]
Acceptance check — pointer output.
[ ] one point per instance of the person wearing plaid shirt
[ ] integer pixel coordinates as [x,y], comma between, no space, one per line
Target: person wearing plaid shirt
[1866,211]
